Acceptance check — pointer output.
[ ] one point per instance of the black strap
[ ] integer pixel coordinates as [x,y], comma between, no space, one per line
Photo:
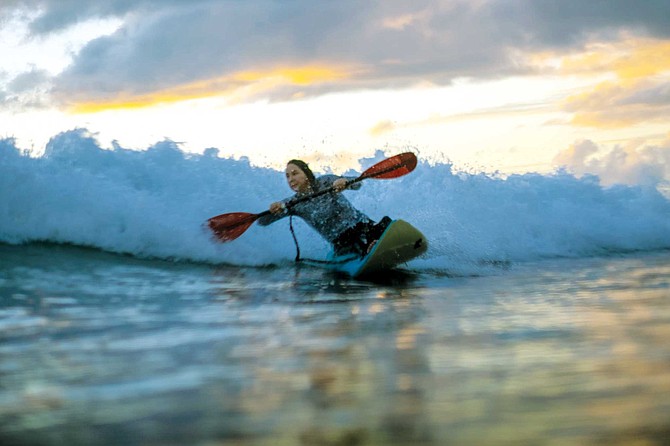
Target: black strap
[295,239]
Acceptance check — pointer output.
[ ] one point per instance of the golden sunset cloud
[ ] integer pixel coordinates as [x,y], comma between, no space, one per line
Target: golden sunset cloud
[234,87]
[638,88]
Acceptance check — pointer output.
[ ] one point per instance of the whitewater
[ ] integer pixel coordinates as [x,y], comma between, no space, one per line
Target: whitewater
[153,203]
[539,315]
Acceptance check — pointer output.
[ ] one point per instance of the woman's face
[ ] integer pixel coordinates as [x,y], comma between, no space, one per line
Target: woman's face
[296,178]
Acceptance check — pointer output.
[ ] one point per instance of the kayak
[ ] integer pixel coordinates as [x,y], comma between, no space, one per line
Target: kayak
[399,243]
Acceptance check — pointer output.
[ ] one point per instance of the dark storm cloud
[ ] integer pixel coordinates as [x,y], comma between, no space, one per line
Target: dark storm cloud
[165,42]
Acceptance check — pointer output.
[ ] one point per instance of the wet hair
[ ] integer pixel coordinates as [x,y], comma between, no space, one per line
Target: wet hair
[305,168]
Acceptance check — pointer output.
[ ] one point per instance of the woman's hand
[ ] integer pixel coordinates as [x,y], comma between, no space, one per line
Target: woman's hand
[339,185]
[277,207]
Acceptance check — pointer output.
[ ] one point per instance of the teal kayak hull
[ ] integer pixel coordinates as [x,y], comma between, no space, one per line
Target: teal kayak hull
[399,243]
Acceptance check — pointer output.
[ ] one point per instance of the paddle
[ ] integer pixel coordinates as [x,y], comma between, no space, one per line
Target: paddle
[228,227]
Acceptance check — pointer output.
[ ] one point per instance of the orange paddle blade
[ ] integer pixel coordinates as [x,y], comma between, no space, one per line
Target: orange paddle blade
[227,227]
[393,167]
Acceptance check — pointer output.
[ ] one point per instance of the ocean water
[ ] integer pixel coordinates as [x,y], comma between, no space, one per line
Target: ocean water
[540,314]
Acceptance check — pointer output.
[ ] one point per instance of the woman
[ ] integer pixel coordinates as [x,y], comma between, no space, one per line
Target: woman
[331,215]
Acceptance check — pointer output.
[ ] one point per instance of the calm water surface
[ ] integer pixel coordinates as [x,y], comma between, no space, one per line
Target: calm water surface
[103,349]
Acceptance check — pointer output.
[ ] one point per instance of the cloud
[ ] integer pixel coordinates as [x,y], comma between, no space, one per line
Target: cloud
[27,90]
[639,88]
[239,87]
[382,127]
[655,94]
[636,162]
[28,81]
[57,15]
[166,44]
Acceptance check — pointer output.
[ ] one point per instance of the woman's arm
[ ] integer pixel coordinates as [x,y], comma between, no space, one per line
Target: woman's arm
[339,184]
[278,211]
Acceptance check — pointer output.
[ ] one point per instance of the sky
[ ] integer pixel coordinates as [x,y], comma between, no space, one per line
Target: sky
[506,86]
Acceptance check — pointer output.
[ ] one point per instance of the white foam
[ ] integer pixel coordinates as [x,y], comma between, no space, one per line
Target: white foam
[154,202]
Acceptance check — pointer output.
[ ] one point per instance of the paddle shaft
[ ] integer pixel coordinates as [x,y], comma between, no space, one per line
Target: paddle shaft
[311,196]
[330,189]
[228,227]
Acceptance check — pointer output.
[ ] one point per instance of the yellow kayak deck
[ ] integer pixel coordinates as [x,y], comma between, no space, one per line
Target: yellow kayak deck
[400,243]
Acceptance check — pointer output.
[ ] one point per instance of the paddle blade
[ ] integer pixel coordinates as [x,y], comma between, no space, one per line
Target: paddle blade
[227,227]
[393,167]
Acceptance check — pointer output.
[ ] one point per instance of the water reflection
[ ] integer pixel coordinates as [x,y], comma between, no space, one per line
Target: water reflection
[557,353]
[339,373]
